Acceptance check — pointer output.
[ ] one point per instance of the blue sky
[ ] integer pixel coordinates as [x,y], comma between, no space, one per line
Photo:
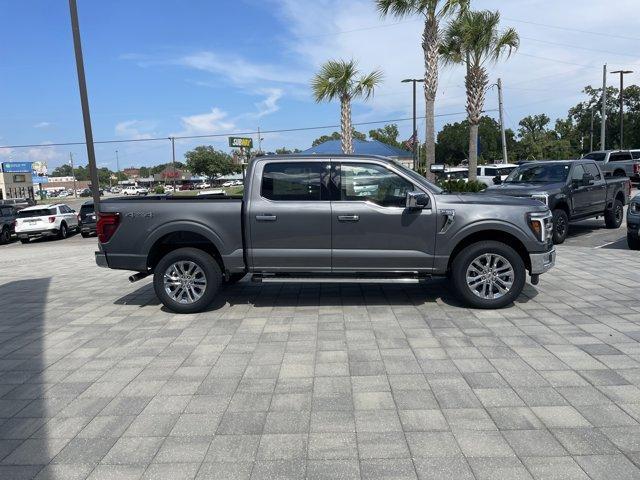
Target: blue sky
[197,67]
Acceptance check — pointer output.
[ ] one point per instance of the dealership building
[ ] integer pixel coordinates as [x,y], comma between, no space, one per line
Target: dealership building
[16,180]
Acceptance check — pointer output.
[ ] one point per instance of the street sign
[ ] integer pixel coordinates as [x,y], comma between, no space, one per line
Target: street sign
[241,142]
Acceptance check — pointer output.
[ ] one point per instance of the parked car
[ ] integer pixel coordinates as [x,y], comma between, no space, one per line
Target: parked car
[18,203]
[134,190]
[633,223]
[8,215]
[228,183]
[488,173]
[212,191]
[186,186]
[302,217]
[87,219]
[617,163]
[168,188]
[443,172]
[203,185]
[116,190]
[572,189]
[86,193]
[46,221]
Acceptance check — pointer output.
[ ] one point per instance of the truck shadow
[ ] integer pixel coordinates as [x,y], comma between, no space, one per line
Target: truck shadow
[431,291]
[30,394]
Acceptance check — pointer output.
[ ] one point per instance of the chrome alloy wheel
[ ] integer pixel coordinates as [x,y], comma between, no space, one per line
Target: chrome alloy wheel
[490,276]
[185,282]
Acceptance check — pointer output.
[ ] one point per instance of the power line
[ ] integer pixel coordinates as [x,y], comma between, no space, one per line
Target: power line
[608,52]
[565,28]
[229,134]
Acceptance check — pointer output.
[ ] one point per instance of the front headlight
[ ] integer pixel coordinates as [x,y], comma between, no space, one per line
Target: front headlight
[541,197]
[634,207]
[541,224]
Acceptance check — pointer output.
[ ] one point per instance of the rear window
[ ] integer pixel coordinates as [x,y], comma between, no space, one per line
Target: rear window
[42,212]
[85,209]
[620,157]
[635,155]
[292,181]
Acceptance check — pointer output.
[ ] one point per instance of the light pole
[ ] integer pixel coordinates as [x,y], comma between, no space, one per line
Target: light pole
[414,135]
[173,160]
[84,101]
[622,73]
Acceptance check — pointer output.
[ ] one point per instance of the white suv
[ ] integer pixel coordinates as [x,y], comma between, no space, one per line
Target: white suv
[45,221]
[134,190]
[486,173]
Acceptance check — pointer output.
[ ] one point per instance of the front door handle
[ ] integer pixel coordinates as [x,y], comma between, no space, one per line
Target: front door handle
[348,218]
[266,218]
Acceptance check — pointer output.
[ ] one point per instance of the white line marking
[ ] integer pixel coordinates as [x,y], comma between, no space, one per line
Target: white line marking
[605,245]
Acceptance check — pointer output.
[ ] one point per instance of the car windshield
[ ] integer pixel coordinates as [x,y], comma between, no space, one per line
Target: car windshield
[539,173]
[41,212]
[598,157]
[419,178]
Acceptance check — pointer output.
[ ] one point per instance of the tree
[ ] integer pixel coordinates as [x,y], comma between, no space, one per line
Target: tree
[286,151]
[336,136]
[206,160]
[63,170]
[145,172]
[433,12]
[340,79]
[453,141]
[473,39]
[387,134]
[163,166]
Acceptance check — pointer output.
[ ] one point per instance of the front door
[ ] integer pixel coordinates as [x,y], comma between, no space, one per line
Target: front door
[289,217]
[372,229]
[579,192]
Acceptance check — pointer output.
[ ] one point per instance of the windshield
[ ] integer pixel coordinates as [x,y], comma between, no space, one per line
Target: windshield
[598,157]
[419,178]
[540,173]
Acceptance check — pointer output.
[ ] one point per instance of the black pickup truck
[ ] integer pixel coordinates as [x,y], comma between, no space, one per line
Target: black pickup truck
[572,189]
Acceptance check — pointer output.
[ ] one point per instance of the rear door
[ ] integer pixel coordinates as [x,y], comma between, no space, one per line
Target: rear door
[289,216]
[372,229]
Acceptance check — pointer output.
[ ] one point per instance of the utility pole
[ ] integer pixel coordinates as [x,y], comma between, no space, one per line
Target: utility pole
[591,131]
[84,100]
[603,127]
[73,174]
[173,160]
[117,163]
[414,133]
[622,74]
[502,129]
[259,141]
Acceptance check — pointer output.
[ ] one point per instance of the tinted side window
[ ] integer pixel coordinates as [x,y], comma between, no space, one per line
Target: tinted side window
[490,172]
[373,183]
[593,170]
[619,157]
[635,155]
[300,181]
[596,156]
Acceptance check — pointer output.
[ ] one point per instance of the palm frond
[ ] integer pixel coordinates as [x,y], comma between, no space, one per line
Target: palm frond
[366,85]
[396,8]
[339,78]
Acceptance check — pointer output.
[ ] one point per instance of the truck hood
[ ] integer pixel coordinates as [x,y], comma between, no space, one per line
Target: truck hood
[523,189]
[504,200]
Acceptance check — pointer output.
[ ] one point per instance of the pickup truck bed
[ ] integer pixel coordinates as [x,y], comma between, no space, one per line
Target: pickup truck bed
[325,217]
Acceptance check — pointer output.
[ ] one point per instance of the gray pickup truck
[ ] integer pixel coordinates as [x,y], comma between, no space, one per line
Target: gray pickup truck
[327,218]
[618,163]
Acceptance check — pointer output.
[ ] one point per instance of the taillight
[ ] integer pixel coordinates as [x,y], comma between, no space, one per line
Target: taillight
[107,225]
[636,168]
[52,219]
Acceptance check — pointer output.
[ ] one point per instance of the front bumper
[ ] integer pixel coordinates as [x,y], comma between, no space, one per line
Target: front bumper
[101,260]
[542,262]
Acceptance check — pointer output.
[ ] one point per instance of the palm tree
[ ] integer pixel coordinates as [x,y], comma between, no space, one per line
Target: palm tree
[473,39]
[433,12]
[341,79]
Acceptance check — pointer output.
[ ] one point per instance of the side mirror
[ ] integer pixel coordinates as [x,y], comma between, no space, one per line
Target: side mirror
[497,180]
[416,200]
[587,179]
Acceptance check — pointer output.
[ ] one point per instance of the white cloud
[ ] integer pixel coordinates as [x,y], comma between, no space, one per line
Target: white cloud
[135,129]
[42,125]
[212,122]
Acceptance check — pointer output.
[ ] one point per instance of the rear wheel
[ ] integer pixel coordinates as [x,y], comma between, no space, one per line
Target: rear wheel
[186,280]
[619,173]
[560,226]
[63,232]
[633,241]
[24,240]
[85,235]
[614,216]
[488,274]
[5,236]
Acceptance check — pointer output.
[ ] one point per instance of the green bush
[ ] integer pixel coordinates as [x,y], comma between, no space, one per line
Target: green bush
[460,186]
[159,189]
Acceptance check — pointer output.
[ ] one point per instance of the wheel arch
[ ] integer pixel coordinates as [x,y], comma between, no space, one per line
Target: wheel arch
[491,235]
[176,239]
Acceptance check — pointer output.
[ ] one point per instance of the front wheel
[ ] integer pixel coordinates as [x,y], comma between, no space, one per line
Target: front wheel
[186,280]
[63,232]
[614,216]
[560,226]
[488,274]
[633,241]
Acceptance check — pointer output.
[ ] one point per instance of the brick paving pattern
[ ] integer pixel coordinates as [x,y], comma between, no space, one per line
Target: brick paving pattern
[317,381]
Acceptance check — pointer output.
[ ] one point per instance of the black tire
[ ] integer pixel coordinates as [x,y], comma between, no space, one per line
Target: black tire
[210,269]
[463,261]
[24,240]
[85,235]
[633,242]
[235,278]
[560,226]
[614,216]
[619,173]
[63,232]
[5,236]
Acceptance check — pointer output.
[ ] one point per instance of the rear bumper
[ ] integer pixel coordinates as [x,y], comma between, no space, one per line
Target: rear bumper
[542,262]
[36,233]
[101,260]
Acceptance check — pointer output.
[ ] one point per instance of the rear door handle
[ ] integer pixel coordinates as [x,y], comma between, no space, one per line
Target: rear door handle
[266,218]
[348,218]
